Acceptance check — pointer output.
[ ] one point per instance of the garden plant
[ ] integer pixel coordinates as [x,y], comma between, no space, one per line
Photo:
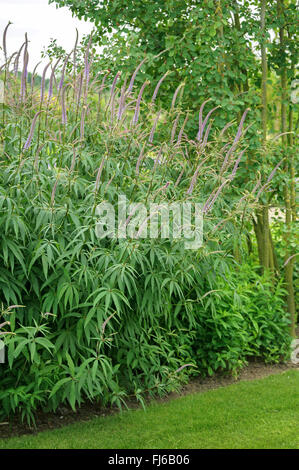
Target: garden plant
[110,319]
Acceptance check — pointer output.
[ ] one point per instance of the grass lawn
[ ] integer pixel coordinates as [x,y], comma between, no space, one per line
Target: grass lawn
[258,414]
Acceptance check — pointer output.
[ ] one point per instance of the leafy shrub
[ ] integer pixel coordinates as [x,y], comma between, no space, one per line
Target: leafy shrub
[244,316]
[106,319]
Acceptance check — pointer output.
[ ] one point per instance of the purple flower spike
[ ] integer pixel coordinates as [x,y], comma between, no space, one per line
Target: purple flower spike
[139,160]
[75,53]
[122,101]
[114,85]
[229,124]
[205,139]
[33,77]
[183,367]
[24,75]
[274,171]
[134,76]
[16,62]
[194,177]
[63,104]
[105,322]
[173,130]
[176,94]
[24,72]
[28,141]
[208,205]
[63,71]
[236,165]
[236,140]
[182,129]
[199,135]
[270,177]
[86,61]
[238,135]
[51,80]
[151,137]
[79,91]
[205,122]
[158,86]
[137,108]
[99,174]
[256,187]
[82,123]
[102,86]
[42,88]
[4,40]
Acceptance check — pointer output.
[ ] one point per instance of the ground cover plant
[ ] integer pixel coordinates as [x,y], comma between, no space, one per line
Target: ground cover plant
[107,319]
[260,414]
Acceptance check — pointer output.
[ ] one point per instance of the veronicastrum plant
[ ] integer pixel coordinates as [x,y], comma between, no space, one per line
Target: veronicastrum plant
[109,319]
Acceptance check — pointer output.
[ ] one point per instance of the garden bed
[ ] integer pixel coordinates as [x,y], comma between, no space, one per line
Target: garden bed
[256,369]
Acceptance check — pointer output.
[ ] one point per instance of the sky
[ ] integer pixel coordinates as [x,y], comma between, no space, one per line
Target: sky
[42,22]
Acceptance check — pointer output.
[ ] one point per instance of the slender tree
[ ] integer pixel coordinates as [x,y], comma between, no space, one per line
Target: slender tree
[289,169]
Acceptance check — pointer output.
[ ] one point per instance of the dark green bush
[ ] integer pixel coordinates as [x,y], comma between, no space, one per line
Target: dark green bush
[244,317]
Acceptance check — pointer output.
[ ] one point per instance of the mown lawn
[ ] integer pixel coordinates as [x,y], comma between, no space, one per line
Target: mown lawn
[259,414]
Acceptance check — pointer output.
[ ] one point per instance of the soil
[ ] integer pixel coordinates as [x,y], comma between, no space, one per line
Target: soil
[46,421]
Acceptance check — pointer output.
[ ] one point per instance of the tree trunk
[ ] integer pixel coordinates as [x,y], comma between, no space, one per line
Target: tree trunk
[289,171]
[262,228]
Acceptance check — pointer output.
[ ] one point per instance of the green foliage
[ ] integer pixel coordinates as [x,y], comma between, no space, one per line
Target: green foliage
[209,46]
[206,45]
[243,317]
[107,319]
[284,240]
